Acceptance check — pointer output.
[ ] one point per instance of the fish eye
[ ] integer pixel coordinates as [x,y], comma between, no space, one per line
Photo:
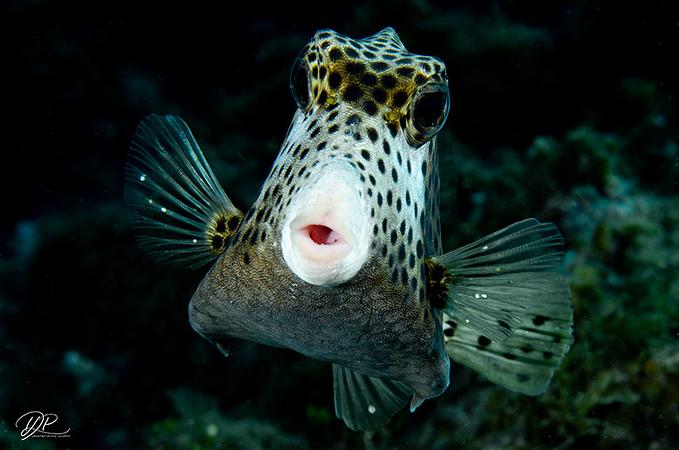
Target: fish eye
[430,109]
[299,82]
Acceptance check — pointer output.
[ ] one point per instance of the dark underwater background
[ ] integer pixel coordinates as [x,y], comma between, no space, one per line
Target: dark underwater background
[563,111]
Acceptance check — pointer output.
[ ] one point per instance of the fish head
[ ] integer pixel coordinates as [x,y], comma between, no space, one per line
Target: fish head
[329,261]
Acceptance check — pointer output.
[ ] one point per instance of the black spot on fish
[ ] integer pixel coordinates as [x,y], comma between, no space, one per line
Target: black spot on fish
[334,80]
[504,325]
[258,217]
[335,54]
[379,95]
[510,356]
[539,320]
[483,341]
[353,120]
[388,81]
[351,52]
[217,242]
[522,377]
[370,108]
[400,98]
[352,93]
[405,71]
[221,225]
[368,79]
[355,67]
[527,349]
[547,355]
[246,235]
[393,129]
[312,124]
[246,258]
[322,97]
[450,332]
[379,66]
[372,134]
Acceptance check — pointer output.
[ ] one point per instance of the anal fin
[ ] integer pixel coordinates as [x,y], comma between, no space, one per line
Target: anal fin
[366,403]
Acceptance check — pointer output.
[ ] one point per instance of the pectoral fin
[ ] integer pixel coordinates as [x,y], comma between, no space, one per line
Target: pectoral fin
[508,313]
[179,212]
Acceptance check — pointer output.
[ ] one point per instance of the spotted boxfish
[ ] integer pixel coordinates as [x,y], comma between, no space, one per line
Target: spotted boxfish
[340,256]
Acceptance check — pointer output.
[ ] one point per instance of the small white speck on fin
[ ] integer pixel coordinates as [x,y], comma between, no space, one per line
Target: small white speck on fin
[177,207]
[366,403]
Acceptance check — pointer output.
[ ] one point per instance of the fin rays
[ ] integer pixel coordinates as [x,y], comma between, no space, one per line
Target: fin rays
[508,313]
[174,196]
[366,403]
[492,288]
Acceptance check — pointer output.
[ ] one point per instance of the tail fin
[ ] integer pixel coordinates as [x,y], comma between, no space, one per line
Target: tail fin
[508,313]
[179,211]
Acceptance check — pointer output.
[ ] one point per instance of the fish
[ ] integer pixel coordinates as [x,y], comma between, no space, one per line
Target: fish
[340,256]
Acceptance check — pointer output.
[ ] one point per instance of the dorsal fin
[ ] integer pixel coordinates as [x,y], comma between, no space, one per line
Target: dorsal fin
[179,212]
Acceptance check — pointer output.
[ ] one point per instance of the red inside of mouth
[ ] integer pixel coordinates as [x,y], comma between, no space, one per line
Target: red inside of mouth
[322,235]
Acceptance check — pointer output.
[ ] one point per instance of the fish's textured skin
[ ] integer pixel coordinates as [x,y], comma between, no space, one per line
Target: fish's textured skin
[358,116]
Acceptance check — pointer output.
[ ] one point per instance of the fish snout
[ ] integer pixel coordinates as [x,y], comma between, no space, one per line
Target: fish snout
[326,236]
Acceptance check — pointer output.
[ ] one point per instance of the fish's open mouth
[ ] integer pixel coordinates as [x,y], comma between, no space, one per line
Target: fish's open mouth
[325,240]
[323,235]
[320,237]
